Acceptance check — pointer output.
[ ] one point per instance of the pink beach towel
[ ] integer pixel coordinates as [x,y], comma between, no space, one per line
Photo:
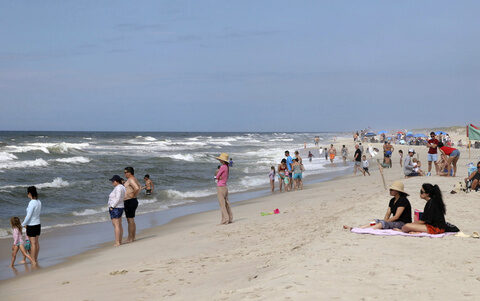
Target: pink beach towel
[389,232]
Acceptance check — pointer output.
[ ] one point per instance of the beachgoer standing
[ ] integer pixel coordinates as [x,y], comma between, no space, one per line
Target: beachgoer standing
[365,165]
[222,190]
[357,158]
[32,221]
[400,153]
[344,154]
[360,146]
[148,185]
[230,163]
[332,152]
[132,187]
[432,153]
[387,153]
[289,167]
[282,169]
[326,153]
[18,243]
[297,156]
[310,156]
[297,174]
[116,207]
[271,175]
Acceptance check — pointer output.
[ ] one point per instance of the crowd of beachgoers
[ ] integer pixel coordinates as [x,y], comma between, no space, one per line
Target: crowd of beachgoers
[289,175]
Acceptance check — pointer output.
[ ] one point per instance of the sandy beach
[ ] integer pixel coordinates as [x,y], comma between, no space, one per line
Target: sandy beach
[300,254]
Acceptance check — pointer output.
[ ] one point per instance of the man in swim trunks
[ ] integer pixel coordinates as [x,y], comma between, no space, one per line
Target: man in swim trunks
[148,185]
[387,153]
[332,152]
[132,187]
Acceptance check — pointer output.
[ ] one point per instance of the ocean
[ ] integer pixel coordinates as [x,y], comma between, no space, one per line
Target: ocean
[72,169]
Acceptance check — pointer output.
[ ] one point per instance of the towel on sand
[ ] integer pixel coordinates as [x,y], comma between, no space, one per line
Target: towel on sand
[389,232]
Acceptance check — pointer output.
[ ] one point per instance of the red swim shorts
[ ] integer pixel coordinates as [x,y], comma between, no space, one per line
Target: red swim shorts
[434,230]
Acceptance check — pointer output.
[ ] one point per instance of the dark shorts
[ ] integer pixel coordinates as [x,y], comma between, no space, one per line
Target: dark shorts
[365,168]
[413,174]
[115,212]
[390,225]
[130,207]
[387,154]
[33,231]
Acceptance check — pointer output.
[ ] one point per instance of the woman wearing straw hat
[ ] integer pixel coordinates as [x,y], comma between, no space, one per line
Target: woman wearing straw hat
[222,190]
[399,210]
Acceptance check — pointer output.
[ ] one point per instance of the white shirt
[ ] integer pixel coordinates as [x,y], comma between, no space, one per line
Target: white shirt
[365,164]
[115,199]
[33,213]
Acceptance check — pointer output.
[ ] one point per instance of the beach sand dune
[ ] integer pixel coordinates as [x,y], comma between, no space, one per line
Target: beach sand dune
[300,254]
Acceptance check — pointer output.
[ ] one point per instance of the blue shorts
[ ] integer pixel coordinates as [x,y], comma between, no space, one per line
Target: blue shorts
[388,154]
[455,153]
[297,176]
[432,157]
[115,212]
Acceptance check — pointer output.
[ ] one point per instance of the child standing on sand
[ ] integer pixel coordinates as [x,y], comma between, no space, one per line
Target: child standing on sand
[271,175]
[400,152]
[18,242]
[365,165]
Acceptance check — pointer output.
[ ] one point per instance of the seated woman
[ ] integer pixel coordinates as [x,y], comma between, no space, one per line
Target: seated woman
[474,177]
[399,210]
[433,218]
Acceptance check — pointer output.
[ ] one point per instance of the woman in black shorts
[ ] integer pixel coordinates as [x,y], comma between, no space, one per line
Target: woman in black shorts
[32,221]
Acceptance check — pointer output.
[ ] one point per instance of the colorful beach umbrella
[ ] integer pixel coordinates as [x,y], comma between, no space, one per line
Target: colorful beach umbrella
[440,132]
[420,136]
[382,132]
[370,134]
[409,134]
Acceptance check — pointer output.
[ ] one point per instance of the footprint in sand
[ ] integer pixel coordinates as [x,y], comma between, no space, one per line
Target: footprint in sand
[122,272]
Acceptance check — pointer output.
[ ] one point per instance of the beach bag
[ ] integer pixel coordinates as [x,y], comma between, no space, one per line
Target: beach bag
[451,228]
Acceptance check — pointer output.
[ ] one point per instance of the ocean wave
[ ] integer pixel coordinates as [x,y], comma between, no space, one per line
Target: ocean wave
[7,157]
[56,183]
[190,194]
[73,160]
[24,164]
[254,181]
[90,211]
[149,138]
[48,148]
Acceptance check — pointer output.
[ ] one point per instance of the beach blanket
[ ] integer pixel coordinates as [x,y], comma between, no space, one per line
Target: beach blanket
[389,232]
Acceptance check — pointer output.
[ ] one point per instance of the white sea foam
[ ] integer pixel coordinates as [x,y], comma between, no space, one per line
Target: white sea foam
[47,148]
[254,181]
[90,211]
[74,160]
[187,157]
[23,164]
[190,194]
[56,183]
[7,157]
[149,138]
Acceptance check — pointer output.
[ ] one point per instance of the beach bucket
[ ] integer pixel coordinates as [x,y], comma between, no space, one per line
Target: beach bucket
[276,211]
[417,214]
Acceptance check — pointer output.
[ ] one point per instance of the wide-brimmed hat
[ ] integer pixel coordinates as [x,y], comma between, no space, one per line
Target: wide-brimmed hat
[223,157]
[398,186]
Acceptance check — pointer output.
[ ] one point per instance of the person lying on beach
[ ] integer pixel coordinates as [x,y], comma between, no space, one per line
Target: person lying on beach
[399,210]
[474,177]
[433,219]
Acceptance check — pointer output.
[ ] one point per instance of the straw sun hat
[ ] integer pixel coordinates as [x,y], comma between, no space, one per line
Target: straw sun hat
[223,157]
[398,186]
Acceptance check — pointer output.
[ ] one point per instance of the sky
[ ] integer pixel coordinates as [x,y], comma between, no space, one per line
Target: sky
[238,65]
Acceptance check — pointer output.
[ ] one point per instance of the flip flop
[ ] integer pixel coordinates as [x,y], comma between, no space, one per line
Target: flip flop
[475,235]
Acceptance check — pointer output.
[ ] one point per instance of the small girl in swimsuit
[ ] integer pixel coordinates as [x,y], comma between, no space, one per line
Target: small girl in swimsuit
[19,243]
[271,175]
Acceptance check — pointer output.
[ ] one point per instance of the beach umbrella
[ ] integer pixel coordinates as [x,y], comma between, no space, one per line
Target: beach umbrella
[399,132]
[382,132]
[370,134]
[409,134]
[420,136]
[440,132]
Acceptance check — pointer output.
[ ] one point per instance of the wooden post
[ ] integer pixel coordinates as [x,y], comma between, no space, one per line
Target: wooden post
[469,146]
[380,167]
